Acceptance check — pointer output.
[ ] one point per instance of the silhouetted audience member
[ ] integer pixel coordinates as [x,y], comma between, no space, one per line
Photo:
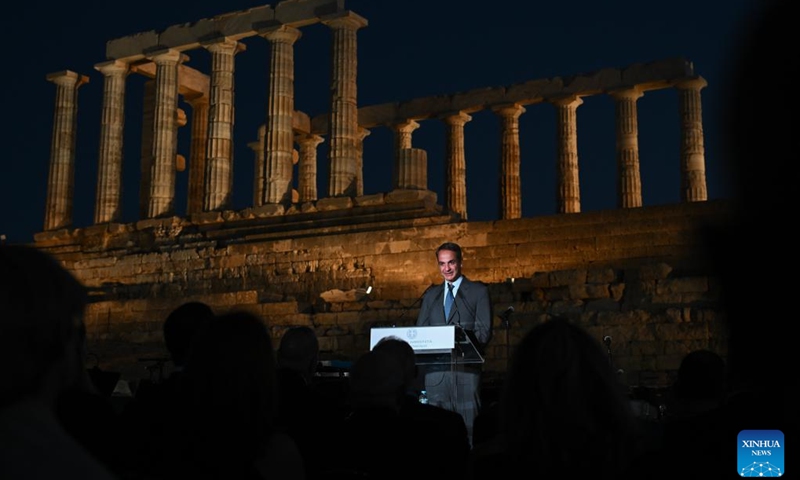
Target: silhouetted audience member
[226,428]
[762,145]
[563,412]
[442,434]
[307,414]
[89,416]
[374,441]
[145,418]
[41,330]
[694,422]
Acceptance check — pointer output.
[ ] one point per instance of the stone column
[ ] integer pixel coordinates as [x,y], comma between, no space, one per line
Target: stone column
[146,164]
[278,141]
[165,124]
[344,106]
[693,157]
[259,167]
[219,151]
[510,197]
[629,182]
[362,134]
[412,172]
[455,171]
[402,141]
[197,153]
[61,178]
[108,198]
[307,167]
[568,192]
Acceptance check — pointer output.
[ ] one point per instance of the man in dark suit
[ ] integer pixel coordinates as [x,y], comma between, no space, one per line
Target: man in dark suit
[457,386]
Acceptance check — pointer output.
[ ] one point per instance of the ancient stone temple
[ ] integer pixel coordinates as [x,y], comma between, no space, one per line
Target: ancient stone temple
[299,256]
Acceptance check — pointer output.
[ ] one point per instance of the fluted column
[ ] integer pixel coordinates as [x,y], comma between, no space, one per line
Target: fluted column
[510,197]
[402,141]
[362,134]
[165,124]
[455,172]
[108,198]
[344,105]
[693,157]
[218,184]
[307,167]
[278,141]
[259,168]
[568,191]
[629,182]
[197,153]
[412,171]
[61,178]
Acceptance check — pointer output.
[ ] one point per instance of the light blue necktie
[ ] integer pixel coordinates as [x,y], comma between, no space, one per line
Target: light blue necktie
[448,301]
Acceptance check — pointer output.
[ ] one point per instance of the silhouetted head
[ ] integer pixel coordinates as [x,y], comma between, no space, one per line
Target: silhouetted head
[404,352]
[299,351]
[701,376]
[377,381]
[41,323]
[181,325]
[230,372]
[563,404]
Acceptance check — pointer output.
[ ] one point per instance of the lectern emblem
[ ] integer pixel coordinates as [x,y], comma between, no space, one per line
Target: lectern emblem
[411,333]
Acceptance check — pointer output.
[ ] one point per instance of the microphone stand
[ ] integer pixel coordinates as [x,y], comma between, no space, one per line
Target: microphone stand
[507,326]
[418,300]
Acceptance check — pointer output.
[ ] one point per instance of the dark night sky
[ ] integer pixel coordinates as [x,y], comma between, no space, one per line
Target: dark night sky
[410,49]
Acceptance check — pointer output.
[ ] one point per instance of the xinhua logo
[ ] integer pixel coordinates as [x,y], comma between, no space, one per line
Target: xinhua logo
[760,453]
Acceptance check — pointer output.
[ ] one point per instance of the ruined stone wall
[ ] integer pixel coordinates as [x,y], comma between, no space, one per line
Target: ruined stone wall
[637,275]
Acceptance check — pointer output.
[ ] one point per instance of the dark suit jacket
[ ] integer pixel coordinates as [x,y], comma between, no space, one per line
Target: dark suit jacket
[472,310]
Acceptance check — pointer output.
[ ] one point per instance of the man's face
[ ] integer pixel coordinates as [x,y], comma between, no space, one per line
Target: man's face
[449,265]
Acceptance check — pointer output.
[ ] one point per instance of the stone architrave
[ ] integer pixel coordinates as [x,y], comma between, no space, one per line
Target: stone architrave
[61,177]
[455,172]
[197,152]
[629,182]
[693,157]
[108,199]
[165,125]
[278,139]
[344,104]
[307,167]
[219,151]
[510,197]
[568,192]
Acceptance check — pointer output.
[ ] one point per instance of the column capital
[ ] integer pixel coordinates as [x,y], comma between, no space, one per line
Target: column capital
[455,118]
[693,83]
[626,93]
[67,77]
[346,19]
[405,126]
[512,110]
[567,101]
[309,138]
[220,43]
[167,55]
[280,34]
[363,133]
[113,68]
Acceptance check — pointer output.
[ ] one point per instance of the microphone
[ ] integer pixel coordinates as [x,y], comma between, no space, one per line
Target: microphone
[607,341]
[507,313]
[406,309]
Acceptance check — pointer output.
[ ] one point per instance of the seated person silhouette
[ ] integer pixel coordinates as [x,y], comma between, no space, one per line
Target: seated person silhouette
[441,431]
